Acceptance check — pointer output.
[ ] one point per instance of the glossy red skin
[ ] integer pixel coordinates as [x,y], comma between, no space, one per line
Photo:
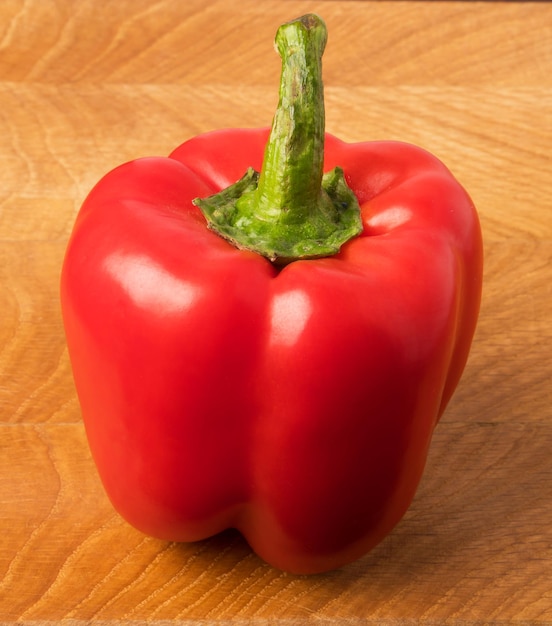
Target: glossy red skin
[296,405]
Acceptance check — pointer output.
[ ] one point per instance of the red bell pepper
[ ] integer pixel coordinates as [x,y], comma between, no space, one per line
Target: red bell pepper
[284,378]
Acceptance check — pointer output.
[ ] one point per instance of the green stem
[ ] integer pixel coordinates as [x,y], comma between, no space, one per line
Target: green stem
[291,210]
[290,184]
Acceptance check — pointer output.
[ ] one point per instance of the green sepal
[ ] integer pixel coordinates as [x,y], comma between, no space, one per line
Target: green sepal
[321,234]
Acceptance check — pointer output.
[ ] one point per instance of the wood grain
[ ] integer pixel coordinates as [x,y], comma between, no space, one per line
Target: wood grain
[84,87]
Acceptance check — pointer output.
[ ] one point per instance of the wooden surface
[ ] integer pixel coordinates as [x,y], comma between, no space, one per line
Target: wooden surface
[85,86]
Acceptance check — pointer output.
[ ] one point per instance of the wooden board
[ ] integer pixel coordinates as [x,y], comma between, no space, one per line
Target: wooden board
[85,86]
